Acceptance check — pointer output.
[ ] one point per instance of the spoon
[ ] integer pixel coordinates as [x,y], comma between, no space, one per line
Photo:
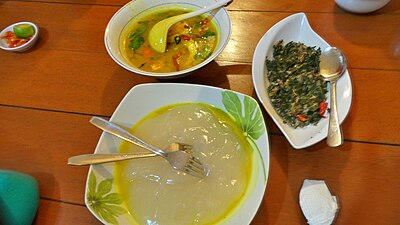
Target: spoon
[158,34]
[332,66]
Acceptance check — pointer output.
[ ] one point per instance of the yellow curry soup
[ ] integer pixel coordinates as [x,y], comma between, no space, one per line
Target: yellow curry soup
[189,42]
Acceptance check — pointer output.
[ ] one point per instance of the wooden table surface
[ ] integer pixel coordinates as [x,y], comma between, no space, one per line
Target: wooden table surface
[48,95]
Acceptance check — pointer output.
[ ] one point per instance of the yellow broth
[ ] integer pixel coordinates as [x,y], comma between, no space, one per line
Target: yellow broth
[189,42]
[154,193]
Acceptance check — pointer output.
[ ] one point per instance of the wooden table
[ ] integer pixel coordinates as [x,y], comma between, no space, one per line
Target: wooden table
[48,95]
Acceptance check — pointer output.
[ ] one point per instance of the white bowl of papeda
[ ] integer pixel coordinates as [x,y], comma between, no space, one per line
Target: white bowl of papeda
[228,135]
[191,44]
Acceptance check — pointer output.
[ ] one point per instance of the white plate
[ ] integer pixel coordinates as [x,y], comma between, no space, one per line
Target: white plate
[296,28]
[145,98]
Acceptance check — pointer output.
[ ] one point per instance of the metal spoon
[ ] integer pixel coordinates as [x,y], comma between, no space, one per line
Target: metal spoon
[332,66]
[158,34]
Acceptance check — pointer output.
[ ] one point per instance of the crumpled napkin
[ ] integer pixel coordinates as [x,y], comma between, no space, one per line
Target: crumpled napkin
[319,206]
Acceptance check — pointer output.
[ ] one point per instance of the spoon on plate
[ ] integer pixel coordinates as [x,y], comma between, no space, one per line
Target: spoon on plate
[332,66]
[158,34]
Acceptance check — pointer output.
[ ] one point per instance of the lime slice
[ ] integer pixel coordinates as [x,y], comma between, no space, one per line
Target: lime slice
[24,30]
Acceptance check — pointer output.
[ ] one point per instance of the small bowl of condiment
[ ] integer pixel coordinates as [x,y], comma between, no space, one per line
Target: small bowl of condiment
[19,37]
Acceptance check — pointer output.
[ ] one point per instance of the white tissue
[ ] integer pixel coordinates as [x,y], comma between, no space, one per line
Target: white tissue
[317,203]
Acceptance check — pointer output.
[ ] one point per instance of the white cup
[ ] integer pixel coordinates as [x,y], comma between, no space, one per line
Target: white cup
[361,6]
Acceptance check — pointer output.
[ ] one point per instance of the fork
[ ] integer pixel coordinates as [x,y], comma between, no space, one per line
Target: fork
[179,160]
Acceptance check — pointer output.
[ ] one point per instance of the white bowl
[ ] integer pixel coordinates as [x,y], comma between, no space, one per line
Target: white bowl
[136,7]
[296,28]
[145,98]
[24,47]
[361,6]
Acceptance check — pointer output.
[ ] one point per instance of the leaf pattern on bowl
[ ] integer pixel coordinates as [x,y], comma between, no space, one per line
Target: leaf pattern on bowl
[103,202]
[249,118]
[251,123]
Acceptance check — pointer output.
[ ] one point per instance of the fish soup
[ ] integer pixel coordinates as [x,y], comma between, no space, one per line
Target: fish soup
[189,42]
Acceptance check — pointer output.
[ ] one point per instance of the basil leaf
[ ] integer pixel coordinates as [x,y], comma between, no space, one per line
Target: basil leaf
[139,31]
[136,43]
[209,34]
[142,29]
[132,34]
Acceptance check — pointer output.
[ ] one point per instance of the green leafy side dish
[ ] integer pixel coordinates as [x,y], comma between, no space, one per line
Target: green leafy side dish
[297,90]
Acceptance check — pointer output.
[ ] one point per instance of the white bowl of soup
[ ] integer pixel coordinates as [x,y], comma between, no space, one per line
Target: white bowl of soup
[191,43]
[228,135]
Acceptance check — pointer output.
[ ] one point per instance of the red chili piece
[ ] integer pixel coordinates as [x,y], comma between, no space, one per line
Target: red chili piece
[322,108]
[301,117]
[14,41]
[185,37]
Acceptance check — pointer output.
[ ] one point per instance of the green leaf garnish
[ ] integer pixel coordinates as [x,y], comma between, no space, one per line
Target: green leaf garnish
[208,34]
[136,43]
[140,30]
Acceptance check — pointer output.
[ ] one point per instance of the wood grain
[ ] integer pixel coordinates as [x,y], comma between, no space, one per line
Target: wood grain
[48,95]
[357,173]
[353,171]
[101,96]
[80,28]
[255,5]
[60,213]
[39,143]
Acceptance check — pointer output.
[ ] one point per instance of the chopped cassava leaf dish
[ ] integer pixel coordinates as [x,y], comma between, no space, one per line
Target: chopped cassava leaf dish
[189,42]
[297,90]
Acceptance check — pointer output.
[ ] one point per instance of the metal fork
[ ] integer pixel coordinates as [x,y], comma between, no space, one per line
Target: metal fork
[179,160]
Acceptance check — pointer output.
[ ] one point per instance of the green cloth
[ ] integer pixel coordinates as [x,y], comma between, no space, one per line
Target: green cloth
[19,198]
